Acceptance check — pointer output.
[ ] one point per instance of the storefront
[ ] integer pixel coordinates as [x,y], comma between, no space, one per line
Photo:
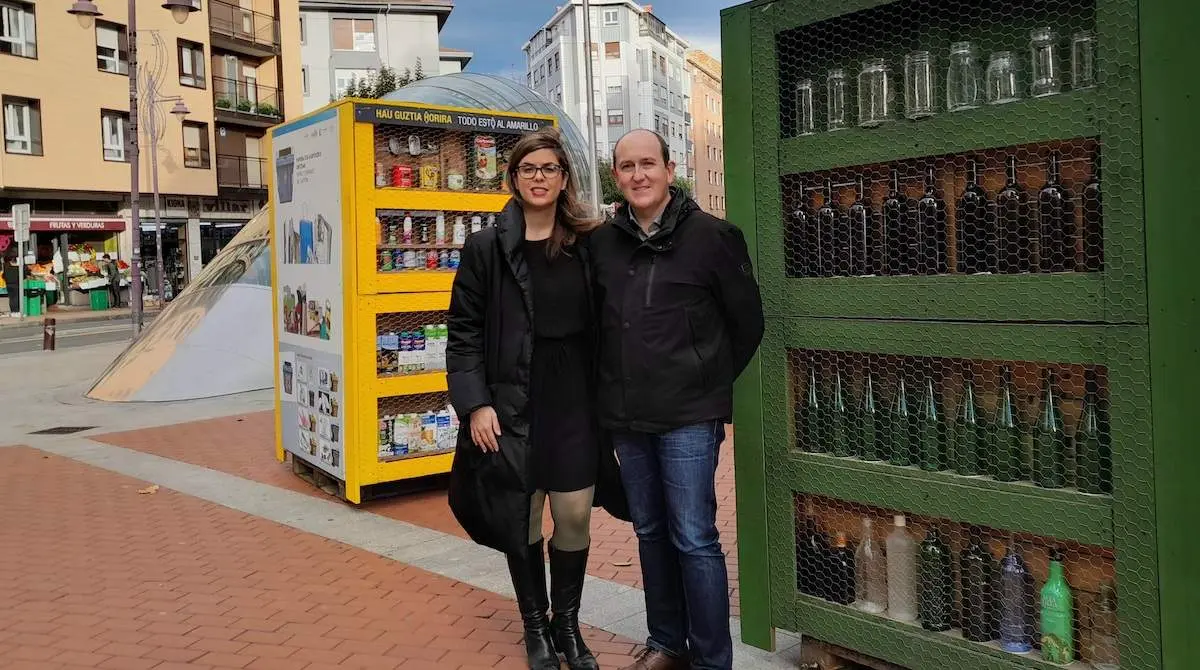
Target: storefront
[67,250]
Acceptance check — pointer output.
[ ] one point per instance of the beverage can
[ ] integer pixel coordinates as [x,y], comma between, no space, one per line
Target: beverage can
[443,259]
[455,259]
[431,259]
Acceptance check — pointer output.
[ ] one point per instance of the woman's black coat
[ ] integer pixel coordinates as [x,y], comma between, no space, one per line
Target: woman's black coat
[488,360]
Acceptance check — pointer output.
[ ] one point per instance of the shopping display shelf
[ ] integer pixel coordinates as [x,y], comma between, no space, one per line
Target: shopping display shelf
[410,384]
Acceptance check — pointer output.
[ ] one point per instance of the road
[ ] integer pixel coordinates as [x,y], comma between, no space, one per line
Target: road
[18,339]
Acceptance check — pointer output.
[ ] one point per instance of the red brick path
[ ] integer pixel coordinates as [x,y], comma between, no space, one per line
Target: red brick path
[97,575]
[243,446]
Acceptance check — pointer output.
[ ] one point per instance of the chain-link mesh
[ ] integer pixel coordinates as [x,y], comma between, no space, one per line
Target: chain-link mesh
[1025,594]
[412,157]
[408,343]
[416,425]
[1012,421]
[411,240]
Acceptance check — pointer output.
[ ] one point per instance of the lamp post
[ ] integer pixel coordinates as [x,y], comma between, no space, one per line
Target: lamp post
[591,106]
[86,12]
[180,110]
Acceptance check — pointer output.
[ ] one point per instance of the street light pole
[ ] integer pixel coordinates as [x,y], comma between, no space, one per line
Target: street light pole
[180,110]
[591,106]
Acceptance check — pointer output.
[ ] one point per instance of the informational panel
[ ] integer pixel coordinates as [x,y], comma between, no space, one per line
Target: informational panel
[308,248]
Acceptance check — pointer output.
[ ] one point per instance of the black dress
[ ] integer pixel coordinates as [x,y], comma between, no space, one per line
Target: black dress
[562,435]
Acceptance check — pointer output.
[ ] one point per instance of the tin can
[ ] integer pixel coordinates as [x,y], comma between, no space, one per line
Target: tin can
[430,176]
[431,260]
[402,176]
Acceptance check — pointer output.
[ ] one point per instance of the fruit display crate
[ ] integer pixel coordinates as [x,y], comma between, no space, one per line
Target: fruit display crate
[968,284]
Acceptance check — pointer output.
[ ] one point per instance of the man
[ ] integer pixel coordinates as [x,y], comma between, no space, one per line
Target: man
[111,270]
[681,318]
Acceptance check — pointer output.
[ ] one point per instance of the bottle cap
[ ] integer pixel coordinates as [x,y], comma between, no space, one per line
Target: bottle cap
[899,520]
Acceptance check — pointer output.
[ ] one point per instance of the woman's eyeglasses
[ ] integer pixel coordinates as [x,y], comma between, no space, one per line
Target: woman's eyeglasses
[527,171]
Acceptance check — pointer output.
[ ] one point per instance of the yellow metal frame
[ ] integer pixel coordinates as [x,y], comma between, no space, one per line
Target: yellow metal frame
[368,293]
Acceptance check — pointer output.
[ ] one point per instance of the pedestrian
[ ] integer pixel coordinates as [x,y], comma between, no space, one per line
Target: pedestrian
[681,317]
[521,369]
[113,271]
[12,280]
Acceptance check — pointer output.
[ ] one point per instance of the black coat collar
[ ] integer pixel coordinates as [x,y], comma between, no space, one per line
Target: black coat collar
[678,209]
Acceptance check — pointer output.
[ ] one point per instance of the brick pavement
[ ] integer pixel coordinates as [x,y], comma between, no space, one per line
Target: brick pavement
[99,575]
[242,445]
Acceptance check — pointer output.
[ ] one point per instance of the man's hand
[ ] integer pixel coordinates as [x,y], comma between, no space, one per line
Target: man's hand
[485,428]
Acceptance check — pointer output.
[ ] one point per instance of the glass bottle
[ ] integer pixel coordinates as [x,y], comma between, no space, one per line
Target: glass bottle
[1001,79]
[931,221]
[935,607]
[862,231]
[1015,250]
[1103,651]
[828,218]
[876,93]
[900,427]
[835,98]
[931,434]
[870,573]
[870,420]
[1058,613]
[918,85]
[963,85]
[901,241]
[1045,55]
[800,239]
[977,575]
[813,433]
[1009,447]
[841,571]
[975,233]
[901,572]
[970,434]
[1092,453]
[1016,603]
[1083,60]
[1049,442]
[1093,220]
[840,441]
[1056,221]
[804,107]
[812,552]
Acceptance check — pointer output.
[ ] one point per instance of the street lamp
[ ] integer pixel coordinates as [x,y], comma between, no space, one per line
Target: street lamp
[86,12]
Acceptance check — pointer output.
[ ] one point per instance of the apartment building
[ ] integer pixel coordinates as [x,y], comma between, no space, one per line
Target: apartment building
[342,41]
[64,96]
[639,73]
[708,135]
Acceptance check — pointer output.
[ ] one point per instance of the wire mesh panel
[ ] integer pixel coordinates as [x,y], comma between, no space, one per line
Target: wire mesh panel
[1013,421]
[1038,597]
[419,241]
[408,343]
[414,157]
[416,425]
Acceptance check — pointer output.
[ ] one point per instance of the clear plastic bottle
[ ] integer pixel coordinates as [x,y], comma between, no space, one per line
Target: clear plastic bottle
[870,573]
[901,572]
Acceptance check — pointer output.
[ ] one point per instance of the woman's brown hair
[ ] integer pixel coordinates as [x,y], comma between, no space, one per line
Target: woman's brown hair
[571,216]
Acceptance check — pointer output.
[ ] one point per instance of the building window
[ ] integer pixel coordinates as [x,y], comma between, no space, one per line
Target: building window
[112,48]
[354,34]
[195,145]
[191,64]
[611,17]
[612,50]
[613,85]
[18,30]
[616,118]
[22,126]
[114,130]
[304,78]
[342,79]
[303,30]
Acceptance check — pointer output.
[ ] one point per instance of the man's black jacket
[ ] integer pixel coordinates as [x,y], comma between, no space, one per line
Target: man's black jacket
[680,318]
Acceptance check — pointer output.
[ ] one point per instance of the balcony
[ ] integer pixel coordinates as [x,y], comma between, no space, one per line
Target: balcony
[243,30]
[246,173]
[246,102]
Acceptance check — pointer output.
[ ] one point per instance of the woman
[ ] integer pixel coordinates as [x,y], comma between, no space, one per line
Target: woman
[520,368]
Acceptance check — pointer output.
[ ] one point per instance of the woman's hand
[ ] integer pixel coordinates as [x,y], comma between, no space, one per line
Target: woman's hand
[485,428]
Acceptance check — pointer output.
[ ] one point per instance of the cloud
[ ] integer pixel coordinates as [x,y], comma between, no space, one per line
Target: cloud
[710,44]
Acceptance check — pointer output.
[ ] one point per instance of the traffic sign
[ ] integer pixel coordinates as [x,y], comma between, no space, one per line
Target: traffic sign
[20,216]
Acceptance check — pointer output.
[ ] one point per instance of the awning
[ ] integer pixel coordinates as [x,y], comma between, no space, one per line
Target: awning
[39,224]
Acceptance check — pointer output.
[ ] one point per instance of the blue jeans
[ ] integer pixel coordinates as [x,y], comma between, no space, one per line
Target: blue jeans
[670,480]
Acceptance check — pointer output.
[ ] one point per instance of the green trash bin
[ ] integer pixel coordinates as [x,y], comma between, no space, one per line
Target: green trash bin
[35,293]
[99,298]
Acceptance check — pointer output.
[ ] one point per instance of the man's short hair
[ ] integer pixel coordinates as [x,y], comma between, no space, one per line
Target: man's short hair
[662,143]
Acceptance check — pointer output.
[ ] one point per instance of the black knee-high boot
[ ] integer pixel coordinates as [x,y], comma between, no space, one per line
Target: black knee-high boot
[567,572]
[528,572]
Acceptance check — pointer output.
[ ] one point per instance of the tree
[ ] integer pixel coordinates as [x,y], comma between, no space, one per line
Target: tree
[385,82]
[380,83]
[418,72]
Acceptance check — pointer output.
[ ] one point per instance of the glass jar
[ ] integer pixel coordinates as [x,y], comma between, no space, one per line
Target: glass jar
[1083,60]
[963,82]
[835,98]
[1002,79]
[804,107]
[1044,59]
[918,85]
[876,93]
[1103,649]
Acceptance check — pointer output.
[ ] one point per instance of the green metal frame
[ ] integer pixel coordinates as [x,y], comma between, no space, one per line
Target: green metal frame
[1138,315]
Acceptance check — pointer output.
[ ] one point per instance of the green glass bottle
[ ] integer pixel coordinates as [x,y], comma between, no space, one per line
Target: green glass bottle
[1049,441]
[1092,452]
[935,595]
[1009,451]
[970,433]
[900,427]
[931,433]
[814,439]
[840,441]
[1058,631]
[870,421]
